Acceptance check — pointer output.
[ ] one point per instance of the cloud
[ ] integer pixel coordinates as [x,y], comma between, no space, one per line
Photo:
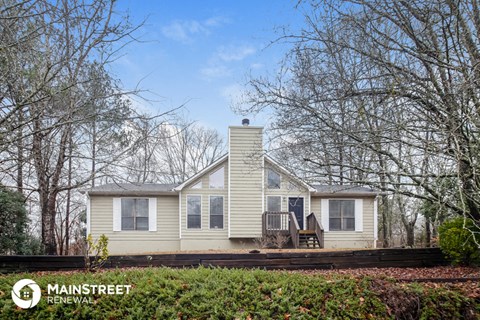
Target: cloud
[235,53]
[221,62]
[184,31]
[216,21]
[212,72]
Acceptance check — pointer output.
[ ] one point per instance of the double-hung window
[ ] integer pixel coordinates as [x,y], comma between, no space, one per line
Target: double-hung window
[216,212]
[274,203]
[134,214]
[342,215]
[194,212]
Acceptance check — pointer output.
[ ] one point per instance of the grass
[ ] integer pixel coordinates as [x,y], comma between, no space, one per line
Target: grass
[204,293]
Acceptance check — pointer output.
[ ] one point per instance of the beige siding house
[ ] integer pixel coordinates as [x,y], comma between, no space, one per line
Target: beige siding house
[242,196]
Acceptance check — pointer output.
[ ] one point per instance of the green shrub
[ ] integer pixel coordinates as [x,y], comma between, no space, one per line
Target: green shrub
[459,241]
[212,293]
[96,252]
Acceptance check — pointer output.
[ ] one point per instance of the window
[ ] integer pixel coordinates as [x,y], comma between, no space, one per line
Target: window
[197,185]
[217,179]
[273,179]
[194,212]
[134,214]
[342,215]
[216,212]
[274,203]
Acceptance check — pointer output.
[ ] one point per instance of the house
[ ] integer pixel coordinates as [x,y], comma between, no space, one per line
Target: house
[240,197]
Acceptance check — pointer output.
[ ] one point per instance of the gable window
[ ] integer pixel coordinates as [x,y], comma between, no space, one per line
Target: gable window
[342,215]
[217,179]
[216,212]
[197,185]
[274,203]
[194,212]
[134,214]
[273,179]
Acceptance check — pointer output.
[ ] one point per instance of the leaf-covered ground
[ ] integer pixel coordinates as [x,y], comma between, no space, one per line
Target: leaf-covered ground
[447,272]
[214,293]
[462,279]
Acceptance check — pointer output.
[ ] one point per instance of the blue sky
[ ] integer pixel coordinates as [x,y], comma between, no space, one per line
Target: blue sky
[201,53]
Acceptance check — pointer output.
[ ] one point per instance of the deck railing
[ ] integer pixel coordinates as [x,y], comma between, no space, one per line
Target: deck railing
[274,222]
[314,224]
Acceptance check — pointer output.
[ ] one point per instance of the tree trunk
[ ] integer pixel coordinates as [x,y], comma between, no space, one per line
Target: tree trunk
[428,233]
[410,229]
[20,159]
[385,214]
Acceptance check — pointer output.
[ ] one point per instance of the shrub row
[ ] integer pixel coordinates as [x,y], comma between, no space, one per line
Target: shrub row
[204,293]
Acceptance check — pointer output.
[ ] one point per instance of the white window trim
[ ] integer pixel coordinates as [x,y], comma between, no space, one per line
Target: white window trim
[89,203]
[209,185]
[209,212]
[186,212]
[275,196]
[117,214]
[358,210]
[279,183]
[152,214]
[180,215]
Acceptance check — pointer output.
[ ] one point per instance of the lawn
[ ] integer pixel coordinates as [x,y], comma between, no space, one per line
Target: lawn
[213,293]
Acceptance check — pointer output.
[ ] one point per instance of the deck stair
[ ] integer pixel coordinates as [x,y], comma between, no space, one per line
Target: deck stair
[308,239]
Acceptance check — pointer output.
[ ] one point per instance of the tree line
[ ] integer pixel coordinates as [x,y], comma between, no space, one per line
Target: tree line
[66,123]
[383,93]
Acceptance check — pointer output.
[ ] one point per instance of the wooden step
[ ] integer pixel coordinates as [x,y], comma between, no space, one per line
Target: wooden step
[306,232]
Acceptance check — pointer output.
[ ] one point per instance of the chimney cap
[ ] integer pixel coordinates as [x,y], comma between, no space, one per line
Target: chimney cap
[245,122]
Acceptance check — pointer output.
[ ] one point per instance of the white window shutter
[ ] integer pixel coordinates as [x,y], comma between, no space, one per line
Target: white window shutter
[359,215]
[325,214]
[152,214]
[117,214]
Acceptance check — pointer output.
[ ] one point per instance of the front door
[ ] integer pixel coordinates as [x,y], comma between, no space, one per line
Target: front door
[295,205]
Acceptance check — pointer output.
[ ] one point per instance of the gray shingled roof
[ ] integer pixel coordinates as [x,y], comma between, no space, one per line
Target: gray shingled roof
[163,189]
[132,189]
[344,189]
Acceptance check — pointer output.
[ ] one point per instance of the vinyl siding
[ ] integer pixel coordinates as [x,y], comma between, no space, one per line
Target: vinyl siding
[164,239]
[205,233]
[246,181]
[349,239]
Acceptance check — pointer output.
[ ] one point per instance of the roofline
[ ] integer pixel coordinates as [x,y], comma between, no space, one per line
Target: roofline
[130,193]
[285,171]
[201,172]
[345,194]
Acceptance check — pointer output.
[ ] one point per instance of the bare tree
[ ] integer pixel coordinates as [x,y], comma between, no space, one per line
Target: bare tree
[369,78]
[47,52]
[171,151]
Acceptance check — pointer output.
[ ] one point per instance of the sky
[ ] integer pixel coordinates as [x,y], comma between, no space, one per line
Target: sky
[201,53]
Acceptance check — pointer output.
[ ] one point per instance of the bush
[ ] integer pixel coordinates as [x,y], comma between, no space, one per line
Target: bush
[204,293]
[96,252]
[459,241]
[13,222]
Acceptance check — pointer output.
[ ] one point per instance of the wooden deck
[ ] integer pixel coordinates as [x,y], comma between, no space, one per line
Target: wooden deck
[285,223]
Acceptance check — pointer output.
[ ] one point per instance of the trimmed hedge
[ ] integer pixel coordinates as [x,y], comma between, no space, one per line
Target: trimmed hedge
[205,293]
